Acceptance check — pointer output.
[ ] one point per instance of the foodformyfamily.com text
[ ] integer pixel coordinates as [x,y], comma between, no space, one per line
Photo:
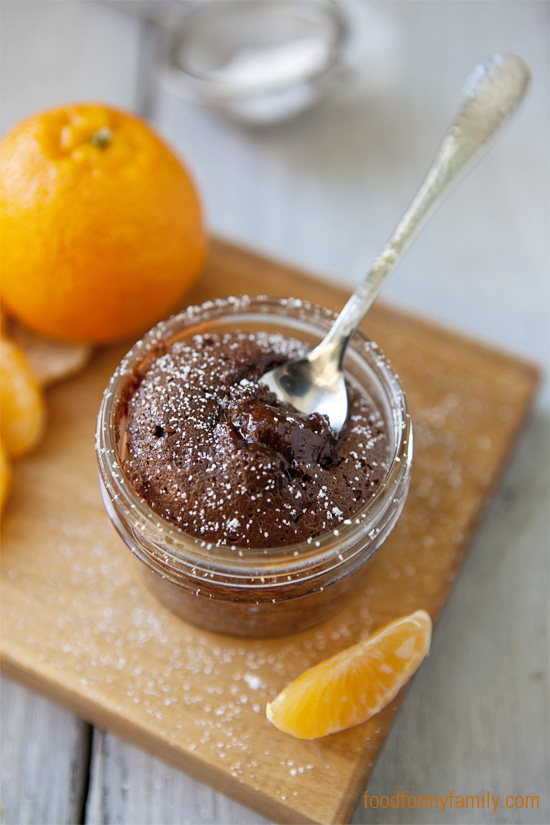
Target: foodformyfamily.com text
[482,800]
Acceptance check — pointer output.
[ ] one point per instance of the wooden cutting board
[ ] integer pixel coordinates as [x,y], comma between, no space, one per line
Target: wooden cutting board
[79,625]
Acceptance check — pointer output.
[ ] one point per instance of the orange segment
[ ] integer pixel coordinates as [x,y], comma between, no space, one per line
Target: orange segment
[352,686]
[5,476]
[22,408]
[49,359]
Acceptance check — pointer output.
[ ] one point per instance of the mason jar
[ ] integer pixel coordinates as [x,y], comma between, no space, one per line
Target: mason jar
[245,591]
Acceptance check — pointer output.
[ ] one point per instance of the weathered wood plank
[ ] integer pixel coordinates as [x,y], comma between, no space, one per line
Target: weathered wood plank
[129,785]
[44,753]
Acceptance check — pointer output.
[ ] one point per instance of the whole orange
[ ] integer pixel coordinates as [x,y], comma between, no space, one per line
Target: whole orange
[100,224]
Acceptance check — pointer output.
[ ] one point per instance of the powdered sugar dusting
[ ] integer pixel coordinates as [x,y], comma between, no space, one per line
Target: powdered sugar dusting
[214,452]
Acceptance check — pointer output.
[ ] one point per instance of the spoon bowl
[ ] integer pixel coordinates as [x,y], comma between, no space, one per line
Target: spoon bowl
[312,385]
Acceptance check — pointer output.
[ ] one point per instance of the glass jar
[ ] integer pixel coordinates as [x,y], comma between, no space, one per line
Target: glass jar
[246,591]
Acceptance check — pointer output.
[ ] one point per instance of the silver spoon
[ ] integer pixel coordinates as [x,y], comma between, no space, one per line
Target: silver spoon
[491,94]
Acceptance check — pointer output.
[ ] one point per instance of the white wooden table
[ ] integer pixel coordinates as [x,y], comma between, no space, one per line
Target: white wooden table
[324,191]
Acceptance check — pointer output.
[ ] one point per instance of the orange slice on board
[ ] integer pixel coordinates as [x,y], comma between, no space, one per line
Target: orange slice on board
[5,476]
[353,685]
[22,406]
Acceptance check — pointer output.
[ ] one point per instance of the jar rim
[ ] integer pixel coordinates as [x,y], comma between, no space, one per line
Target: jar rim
[180,550]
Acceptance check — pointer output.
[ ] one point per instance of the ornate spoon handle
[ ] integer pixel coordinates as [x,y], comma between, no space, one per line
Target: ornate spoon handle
[492,93]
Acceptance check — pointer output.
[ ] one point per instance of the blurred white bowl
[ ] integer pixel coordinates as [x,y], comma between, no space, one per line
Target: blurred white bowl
[260,62]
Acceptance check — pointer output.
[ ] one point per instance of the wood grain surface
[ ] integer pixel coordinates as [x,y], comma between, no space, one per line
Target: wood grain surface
[80,627]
